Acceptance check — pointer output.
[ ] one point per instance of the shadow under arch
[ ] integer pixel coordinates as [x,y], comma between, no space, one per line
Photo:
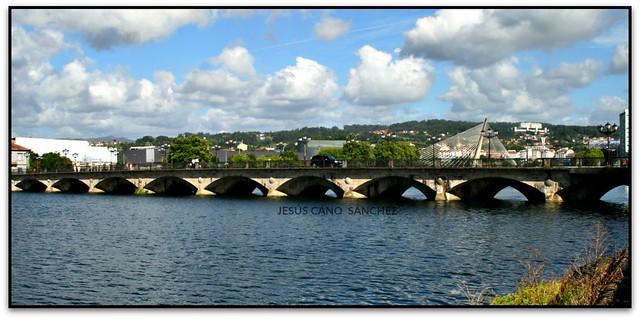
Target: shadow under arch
[71,185]
[310,186]
[589,191]
[393,187]
[32,185]
[236,186]
[487,188]
[171,185]
[116,185]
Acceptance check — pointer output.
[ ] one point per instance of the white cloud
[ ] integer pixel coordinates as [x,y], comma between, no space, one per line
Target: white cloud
[237,60]
[330,28]
[78,100]
[106,28]
[620,59]
[379,80]
[504,93]
[607,109]
[307,84]
[479,38]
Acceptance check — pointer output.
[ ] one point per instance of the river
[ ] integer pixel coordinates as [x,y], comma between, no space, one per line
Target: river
[93,249]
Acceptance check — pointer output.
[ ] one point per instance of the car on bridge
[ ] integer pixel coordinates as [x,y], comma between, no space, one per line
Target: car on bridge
[325,161]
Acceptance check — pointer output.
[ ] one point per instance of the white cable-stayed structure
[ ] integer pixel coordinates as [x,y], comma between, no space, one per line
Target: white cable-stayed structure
[468,148]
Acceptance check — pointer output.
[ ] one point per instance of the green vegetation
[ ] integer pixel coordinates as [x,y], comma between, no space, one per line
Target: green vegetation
[396,151]
[596,279]
[185,149]
[416,132]
[593,284]
[591,156]
[243,160]
[288,155]
[53,162]
[332,151]
[358,151]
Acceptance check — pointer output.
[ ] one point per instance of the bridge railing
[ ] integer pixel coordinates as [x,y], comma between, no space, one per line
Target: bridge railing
[421,163]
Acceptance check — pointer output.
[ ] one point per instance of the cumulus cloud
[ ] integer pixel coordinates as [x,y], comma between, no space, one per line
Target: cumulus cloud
[106,28]
[620,59]
[505,93]
[379,80]
[79,100]
[330,28]
[607,109]
[478,38]
[236,59]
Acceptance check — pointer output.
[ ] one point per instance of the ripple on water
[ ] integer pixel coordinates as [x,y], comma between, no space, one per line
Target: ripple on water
[90,249]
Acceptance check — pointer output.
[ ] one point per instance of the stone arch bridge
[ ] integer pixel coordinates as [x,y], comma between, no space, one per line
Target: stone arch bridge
[571,184]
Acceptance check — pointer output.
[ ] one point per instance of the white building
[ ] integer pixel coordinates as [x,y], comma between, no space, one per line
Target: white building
[19,158]
[530,127]
[79,152]
[242,147]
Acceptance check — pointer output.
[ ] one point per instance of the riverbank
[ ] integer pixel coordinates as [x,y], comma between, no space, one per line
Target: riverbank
[603,281]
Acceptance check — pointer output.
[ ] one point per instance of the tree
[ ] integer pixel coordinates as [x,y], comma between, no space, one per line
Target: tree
[358,151]
[187,148]
[33,158]
[289,155]
[243,160]
[591,156]
[161,139]
[396,151]
[146,140]
[332,151]
[55,162]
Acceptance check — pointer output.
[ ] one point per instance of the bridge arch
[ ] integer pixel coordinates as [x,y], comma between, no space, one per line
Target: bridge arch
[590,191]
[32,185]
[488,187]
[310,186]
[393,187]
[171,185]
[71,185]
[236,186]
[116,185]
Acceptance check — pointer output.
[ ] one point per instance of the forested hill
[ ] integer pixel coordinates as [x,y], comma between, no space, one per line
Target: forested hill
[560,134]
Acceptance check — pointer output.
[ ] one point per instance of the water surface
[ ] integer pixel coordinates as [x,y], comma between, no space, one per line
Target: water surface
[150,250]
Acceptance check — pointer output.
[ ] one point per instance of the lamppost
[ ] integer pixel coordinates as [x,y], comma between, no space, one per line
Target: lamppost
[75,162]
[489,134]
[26,156]
[304,140]
[433,145]
[38,163]
[607,130]
[113,151]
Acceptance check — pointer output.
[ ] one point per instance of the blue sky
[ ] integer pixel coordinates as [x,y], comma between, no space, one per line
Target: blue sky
[132,73]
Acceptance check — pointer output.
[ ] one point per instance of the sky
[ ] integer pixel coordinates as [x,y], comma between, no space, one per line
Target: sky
[130,73]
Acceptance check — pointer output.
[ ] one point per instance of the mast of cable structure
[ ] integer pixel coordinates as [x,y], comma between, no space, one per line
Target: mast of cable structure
[476,156]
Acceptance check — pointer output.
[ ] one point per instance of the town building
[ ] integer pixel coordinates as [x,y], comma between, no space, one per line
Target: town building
[80,152]
[531,127]
[144,156]
[242,147]
[19,158]
[314,147]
